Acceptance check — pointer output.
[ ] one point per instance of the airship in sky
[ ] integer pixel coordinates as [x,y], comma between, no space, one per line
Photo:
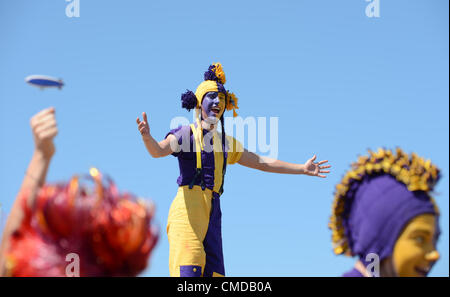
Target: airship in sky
[44,81]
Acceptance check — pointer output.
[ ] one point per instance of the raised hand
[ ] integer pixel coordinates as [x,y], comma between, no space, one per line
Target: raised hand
[44,128]
[143,126]
[316,169]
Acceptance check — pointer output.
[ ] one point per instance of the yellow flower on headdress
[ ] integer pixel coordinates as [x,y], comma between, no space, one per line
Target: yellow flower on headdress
[218,70]
[232,103]
[214,79]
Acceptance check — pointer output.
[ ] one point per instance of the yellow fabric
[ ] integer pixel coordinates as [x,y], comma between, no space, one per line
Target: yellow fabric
[205,87]
[235,150]
[211,86]
[187,225]
[218,70]
[198,139]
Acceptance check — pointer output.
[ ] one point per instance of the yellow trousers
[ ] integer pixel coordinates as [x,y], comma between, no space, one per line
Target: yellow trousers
[187,229]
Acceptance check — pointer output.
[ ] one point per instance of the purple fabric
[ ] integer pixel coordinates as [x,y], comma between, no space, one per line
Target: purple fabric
[353,273]
[188,271]
[381,208]
[213,240]
[187,158]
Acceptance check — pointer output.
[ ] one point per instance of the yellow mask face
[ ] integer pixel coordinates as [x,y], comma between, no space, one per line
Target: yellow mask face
[221,103]
[415,252]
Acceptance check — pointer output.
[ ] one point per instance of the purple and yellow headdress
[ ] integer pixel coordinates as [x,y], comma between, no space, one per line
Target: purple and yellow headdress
[214,79]
[377,197]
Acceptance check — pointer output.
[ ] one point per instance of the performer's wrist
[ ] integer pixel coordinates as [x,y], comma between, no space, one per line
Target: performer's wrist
[301,169]
[43,156]
[146,136]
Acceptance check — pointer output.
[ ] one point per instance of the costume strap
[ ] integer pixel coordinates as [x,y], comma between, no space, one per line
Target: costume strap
[198,138]
[224,168]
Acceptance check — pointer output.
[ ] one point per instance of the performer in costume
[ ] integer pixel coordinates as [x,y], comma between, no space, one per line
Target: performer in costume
[108,231]
[383,206]
[194,222]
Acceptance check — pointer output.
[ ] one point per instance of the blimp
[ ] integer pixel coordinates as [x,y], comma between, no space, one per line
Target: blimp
[44,81]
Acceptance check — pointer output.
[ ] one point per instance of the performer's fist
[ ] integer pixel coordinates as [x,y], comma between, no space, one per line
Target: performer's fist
[44,128]
[143,126]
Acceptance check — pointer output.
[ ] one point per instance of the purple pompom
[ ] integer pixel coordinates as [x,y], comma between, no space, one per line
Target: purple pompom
[188,100]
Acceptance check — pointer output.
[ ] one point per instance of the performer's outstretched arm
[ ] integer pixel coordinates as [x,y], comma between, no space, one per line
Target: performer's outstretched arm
[156,149]
[255,161]
[44,129]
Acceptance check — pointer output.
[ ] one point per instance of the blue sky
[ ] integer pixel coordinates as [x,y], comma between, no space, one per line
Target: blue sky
[338,81]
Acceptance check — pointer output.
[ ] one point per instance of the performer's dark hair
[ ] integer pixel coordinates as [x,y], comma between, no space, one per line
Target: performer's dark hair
[222,120]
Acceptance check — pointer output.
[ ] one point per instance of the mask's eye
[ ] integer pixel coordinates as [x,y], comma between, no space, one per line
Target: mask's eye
[419,239]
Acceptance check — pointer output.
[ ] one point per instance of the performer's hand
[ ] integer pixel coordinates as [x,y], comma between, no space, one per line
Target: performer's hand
[44,128]
[143,126]
[315,169]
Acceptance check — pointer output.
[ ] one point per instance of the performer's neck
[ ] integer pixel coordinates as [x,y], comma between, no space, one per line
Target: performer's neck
[208,126]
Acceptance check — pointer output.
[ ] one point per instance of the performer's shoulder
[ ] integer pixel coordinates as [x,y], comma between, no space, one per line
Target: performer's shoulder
[232,144]
[231,140]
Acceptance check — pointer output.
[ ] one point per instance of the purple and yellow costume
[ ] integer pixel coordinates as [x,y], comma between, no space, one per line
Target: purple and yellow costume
[376,199]
[194,221]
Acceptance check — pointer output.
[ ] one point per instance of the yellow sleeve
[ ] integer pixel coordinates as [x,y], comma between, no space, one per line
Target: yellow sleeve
[235,150]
